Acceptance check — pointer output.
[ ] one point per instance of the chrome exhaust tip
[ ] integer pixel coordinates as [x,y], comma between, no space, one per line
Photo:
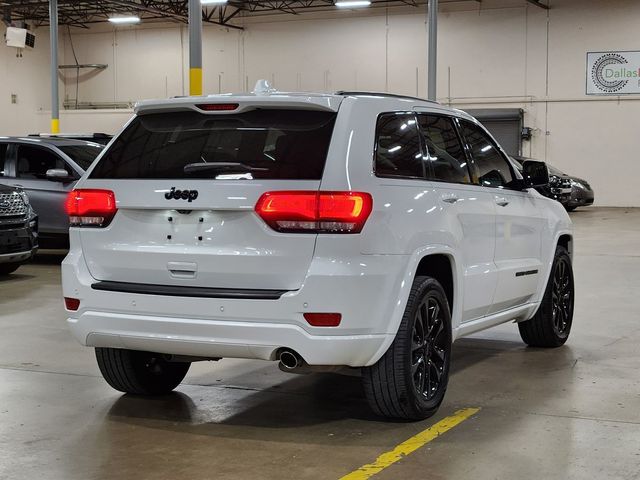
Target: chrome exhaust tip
[289,360]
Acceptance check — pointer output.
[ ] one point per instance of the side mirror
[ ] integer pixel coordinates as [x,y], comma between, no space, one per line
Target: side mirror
[58,175]
[535,174]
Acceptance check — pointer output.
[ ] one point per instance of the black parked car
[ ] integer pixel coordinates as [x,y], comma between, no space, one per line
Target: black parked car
[571,191]
[18,229]
[581,194]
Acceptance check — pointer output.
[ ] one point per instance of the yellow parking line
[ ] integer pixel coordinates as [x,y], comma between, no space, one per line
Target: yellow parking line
[411,445]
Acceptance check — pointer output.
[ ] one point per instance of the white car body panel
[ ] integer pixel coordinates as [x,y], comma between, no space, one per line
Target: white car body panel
[366,277]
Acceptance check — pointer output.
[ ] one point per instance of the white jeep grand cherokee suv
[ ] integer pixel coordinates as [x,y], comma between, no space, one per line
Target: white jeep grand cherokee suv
[356,229]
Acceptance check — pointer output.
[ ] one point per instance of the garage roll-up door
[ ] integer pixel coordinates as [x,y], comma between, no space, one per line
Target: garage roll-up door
[505,124]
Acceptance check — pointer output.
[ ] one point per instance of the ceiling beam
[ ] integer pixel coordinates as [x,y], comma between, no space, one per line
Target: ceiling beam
[538,4]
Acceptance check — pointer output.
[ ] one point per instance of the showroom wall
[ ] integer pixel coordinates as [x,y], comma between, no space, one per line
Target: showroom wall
[28,79]
[515,56]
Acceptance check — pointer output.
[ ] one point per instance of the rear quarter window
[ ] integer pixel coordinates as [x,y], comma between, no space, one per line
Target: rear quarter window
[259,144]
[398,151]
[83,155]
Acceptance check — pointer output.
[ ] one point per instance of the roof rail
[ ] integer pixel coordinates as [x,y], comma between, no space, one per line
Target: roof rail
[383,94]
[71,135]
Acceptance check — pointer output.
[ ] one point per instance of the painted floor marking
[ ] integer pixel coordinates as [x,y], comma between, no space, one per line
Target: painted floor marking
[411,445]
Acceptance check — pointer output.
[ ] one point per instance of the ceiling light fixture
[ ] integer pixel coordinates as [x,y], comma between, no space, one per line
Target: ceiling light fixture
[121,20]
[352,3]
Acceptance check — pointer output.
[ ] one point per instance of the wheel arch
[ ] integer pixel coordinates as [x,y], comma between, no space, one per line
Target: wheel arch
[562,238]
[566,240]
[428,261]
[439,266]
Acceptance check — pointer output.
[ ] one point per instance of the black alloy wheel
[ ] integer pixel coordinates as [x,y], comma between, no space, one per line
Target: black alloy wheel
[562,297]
[428,348]
[410,380]
[551,324]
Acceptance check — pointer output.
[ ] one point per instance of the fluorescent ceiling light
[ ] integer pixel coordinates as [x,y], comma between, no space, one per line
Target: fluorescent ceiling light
[131,19]
[213,2]
[353,3]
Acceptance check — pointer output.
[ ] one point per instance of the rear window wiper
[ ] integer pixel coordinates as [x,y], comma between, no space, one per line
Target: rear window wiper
[221,166]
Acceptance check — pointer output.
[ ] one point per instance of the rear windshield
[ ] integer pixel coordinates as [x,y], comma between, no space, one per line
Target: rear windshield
[260,144]
[83,155]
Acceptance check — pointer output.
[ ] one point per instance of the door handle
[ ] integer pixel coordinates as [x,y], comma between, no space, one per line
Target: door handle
[502,201]
[449,198]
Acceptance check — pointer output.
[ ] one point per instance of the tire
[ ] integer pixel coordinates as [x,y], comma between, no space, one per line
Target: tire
[141,373]
[551,325]
[570,209]
[7,268]
[395,386]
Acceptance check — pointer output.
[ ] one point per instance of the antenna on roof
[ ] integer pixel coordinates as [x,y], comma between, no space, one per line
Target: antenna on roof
[263,87]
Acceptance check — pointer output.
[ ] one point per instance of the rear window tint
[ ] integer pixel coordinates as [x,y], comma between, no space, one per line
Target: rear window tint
[398,149]
[446,157]
[260,144]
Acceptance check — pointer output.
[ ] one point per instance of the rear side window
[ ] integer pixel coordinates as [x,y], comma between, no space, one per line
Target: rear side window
[446,156]
[260,144]
[83,155]
[492,168]
[398,149]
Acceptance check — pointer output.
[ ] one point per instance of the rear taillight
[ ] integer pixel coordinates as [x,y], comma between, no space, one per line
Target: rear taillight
[91,208]
[71,303]
[315,212]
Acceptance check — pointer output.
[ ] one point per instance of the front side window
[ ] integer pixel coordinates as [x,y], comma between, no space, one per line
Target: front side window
[398,149]
[491,168]
[259,144]
[446,156]
[33,162]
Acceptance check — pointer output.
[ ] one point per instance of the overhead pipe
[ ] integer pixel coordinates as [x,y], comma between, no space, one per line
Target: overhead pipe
[53,40]
[195,47]
[432,57]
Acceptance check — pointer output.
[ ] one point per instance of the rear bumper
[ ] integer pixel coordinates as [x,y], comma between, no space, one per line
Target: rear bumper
[220,338]
[241,328]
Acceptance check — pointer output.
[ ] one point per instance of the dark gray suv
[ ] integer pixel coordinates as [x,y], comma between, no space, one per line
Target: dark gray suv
[18,229]
[46,168]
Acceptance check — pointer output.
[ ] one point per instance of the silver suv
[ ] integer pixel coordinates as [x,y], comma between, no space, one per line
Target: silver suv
[46,168]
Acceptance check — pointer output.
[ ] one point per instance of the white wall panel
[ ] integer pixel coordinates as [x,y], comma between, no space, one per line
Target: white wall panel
[318,55]
[28,78]
[485,51]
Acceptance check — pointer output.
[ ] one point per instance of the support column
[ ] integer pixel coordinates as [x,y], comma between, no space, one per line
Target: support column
[195,47]
[53,34]
[432,59]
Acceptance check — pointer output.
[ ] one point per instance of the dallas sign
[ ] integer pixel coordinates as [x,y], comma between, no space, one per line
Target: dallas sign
[613,73]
